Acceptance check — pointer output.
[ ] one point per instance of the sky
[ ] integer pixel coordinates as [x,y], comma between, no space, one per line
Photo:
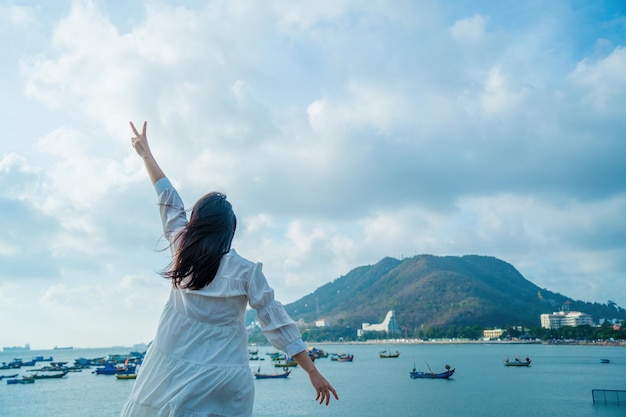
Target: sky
[342,131]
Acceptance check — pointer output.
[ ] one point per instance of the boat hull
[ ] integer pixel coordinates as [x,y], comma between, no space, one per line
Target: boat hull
[517,363]
[48,376]
[271,376]
[20,381]
[431,375]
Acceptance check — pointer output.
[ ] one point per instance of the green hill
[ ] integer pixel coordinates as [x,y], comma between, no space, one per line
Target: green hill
[438,292]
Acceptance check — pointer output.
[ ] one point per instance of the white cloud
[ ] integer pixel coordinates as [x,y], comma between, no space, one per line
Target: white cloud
[500,95]
[367,106]
[303,17]
[603,81]
[17,16]
[469,29]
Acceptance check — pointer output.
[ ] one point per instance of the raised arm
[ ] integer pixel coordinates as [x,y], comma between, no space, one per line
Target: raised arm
[140,144]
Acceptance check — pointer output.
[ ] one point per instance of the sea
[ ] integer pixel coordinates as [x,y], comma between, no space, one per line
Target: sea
[558,383]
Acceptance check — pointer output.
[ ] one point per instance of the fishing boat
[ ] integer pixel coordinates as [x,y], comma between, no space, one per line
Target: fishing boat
[8,376]
[415,374]
[316,353]
[48,376]
[342,357]
[107,369]
[605,361]
[20,381]
[259,375]
[128,372]
[286,363]
[386,354]
[112,369]
[17,363]
[277,356]
[517,362]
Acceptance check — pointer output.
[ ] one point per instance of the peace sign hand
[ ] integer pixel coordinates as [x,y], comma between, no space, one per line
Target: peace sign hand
[140,141]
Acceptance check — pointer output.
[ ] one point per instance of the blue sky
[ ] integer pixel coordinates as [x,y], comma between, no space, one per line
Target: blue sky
[342,131]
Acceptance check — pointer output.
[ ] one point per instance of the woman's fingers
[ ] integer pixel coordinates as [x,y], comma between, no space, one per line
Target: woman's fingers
[143,130]
[324,395]
[132,126]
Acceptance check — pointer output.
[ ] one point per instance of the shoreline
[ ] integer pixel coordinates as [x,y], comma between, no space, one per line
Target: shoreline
[474,342]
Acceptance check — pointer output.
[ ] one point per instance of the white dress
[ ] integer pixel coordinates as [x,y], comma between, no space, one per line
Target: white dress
[198,363]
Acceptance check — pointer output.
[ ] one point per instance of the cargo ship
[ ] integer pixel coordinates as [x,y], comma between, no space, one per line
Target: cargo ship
[26,347]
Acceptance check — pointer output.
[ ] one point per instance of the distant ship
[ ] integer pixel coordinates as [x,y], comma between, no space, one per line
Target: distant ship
[63,347]
[16,348]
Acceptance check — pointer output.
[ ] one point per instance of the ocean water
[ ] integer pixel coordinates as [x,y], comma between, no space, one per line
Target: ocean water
[558,383]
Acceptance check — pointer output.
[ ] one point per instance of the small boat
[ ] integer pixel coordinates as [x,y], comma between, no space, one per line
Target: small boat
[517,362]
[16,363]
[107,369]
[126,376]
[385,354]
[8,376]
[343,358]
[20,381]
[112,369]
[48,376]
[605,361]
[287,363]
[31,362]
[277,356]
[316,353]
[259,375]
[415,374]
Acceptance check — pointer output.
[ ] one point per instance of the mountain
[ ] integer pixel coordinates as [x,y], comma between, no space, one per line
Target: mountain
[429,291]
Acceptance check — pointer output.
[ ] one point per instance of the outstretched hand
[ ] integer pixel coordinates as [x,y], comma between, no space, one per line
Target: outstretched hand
[322,387]
[140,140]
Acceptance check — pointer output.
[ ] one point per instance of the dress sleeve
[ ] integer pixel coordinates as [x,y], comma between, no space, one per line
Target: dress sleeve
[280,329]
[171,207]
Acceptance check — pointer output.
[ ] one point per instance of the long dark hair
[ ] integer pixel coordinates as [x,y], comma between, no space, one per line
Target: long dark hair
[203,242]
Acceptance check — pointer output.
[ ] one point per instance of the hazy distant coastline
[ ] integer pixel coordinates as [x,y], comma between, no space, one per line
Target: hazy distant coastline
[475,342]
[138,347]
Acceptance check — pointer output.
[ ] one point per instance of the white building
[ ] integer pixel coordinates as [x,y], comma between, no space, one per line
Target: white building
[388,325]
[322,323]
[492,333]
[565,318]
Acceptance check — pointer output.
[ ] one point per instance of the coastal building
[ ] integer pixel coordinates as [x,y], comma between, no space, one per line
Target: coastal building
[389,325]
[560,319]
[322,323]
[492,333]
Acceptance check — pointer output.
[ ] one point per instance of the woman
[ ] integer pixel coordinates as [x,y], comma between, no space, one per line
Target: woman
[197,364]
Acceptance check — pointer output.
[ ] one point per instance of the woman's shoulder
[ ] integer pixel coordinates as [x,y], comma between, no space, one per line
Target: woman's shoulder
[235,269]
[234,258]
